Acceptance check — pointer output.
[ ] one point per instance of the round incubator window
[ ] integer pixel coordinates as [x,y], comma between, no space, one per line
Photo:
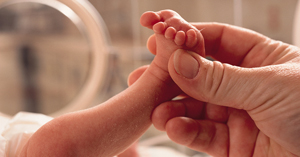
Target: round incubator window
[53,56]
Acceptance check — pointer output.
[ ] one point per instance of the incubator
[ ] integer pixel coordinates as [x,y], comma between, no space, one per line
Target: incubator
[55,56]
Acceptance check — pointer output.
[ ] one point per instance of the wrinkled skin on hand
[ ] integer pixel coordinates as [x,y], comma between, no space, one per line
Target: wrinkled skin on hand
[246,103]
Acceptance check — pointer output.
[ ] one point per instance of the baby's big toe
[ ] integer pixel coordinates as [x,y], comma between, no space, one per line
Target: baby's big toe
[149,18]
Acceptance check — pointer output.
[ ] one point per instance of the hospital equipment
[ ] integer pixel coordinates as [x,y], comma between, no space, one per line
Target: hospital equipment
[94,35]
[92,29]
[33,58]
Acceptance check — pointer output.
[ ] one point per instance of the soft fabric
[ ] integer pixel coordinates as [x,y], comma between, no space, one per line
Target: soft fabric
[15,131]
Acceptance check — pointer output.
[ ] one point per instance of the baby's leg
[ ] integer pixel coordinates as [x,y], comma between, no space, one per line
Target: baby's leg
[172,32]
[109,128]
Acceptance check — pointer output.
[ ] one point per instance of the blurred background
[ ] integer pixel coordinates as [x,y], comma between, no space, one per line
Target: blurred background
[45,58]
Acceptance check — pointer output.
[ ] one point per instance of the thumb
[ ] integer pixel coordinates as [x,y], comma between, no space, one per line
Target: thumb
[220,84]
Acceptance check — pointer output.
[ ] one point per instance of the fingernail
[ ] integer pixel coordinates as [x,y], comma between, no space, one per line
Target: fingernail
[185,64]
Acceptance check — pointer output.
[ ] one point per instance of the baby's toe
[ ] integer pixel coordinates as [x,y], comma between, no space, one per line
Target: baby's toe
[159,27]
[170,33]
[191,39]
[149,18]
[180,38]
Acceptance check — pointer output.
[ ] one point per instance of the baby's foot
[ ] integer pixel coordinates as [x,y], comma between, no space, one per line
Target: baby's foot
[172,32]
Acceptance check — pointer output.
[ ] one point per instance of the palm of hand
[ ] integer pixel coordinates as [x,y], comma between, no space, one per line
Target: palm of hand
[276,107]
[266,121]
[262,121]
[273,104]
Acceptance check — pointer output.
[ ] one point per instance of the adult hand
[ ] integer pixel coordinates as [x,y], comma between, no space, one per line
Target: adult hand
[247,103]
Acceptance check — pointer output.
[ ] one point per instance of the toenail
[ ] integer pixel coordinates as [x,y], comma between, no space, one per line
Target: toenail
[185,64]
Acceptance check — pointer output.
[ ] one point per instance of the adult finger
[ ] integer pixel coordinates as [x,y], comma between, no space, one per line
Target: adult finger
[200,135]
[237,137]
[231,44]
[186,107]
[151,44]
[234,45]
[222,84]
[136,74]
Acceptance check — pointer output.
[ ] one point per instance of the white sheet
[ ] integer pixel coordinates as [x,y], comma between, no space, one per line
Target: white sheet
[15,131]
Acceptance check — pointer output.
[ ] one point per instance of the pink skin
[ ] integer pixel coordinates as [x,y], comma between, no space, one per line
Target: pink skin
[172,33]
[110,128]
[247,107]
